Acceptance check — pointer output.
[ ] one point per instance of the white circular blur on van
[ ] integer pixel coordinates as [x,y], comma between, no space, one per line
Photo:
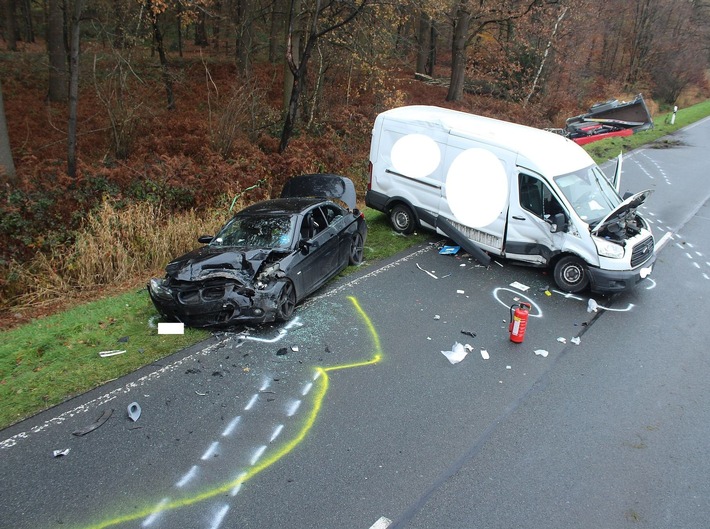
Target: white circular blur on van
[415,155]
[476,187]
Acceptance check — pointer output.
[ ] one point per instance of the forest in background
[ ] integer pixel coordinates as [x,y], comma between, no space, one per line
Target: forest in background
[166,110]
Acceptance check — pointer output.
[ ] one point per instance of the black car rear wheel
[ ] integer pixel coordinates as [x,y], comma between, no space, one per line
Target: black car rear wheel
[356,248]
[286,302]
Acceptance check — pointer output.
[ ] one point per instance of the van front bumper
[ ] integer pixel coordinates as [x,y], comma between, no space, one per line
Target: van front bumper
[606,281]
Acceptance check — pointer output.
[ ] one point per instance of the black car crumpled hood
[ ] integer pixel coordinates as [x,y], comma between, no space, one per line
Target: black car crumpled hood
[209,262]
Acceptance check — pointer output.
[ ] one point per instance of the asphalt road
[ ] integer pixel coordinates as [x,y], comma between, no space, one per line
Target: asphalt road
[351,413]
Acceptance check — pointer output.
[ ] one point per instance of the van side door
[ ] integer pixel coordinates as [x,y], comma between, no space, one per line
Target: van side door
[533,206]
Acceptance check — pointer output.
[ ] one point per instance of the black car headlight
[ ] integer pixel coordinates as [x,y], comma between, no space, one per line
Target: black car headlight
[160,290]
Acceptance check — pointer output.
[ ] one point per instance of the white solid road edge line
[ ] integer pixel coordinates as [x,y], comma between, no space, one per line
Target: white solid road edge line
[382,523]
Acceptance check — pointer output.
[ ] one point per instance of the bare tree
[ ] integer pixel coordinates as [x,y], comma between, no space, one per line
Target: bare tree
[8,7]
[74,85]
[58,79]
[336,14]
[7,166]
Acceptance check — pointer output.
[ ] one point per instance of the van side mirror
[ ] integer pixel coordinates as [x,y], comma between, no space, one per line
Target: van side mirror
[559,223]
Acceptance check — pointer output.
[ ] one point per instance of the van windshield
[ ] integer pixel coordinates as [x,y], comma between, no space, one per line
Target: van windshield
[589,192]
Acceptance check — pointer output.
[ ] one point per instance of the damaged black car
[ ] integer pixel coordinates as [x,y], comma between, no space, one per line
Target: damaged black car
[267,258]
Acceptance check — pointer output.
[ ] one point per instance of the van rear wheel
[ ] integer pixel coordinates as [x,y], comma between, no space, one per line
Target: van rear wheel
[402,219]
[571,274]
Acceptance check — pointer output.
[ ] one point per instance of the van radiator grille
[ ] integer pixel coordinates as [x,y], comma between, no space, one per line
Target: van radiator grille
[479,236]
[642,252]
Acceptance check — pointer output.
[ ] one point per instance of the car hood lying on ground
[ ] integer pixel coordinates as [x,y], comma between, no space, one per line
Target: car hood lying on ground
[208,262]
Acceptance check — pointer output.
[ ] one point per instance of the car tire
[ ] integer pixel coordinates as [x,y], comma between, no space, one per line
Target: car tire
[357,244]
[286,302]
[402,219]
[571,274]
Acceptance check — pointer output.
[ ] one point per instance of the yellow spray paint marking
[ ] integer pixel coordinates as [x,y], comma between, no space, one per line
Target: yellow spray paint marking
[323,384]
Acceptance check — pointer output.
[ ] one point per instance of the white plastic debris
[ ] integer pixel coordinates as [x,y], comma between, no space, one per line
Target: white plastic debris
[106,354]
[427,271]
[468,347]
[541,352]
[456,354]
[520,286]
[576,340]
[592,305]
[437,317]
[460,292]
[59,453]
[508,367]
[485,354]
[134,411]
[561,339]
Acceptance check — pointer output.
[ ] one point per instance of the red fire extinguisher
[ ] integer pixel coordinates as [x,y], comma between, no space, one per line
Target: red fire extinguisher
[518,321]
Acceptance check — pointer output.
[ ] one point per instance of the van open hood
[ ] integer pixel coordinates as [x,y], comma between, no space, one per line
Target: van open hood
[621,213]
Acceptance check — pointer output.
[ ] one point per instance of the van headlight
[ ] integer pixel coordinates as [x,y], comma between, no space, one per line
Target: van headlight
[607,248]
[159,290]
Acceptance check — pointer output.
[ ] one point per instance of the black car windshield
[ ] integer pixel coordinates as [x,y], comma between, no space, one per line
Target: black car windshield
[589,192]
[258,231]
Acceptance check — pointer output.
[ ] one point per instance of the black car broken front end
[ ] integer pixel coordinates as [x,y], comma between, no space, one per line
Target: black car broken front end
[204,290]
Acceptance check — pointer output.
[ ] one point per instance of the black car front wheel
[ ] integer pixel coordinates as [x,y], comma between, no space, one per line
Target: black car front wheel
[571,274]
[286,302]
[356,248]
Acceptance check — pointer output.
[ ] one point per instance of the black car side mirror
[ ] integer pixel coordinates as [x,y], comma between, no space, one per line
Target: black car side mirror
[205,239]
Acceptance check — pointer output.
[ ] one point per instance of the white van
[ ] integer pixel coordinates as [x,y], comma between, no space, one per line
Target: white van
[498,188]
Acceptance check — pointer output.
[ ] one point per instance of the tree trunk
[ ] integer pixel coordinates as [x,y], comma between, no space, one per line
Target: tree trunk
[27,19]
[7,166]
[458,53]
[276,33]
[243,41]
[167,80]
[293,54]
[201,30]
[58,82]
[431,61]
[422,41]
[74,86]
[10,25]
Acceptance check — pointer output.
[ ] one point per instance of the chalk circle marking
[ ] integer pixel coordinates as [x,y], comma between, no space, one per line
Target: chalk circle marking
[415,155]
[535,311]
[476,187]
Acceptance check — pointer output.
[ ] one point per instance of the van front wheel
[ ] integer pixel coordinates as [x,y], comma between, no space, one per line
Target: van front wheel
[571,274]
[402,219]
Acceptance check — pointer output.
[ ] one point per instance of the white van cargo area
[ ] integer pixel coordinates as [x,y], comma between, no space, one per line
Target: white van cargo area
[499,188]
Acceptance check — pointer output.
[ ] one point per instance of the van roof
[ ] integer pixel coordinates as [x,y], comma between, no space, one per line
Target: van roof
[538,150]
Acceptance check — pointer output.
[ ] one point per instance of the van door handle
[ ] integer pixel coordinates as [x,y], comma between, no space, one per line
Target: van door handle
[518,218]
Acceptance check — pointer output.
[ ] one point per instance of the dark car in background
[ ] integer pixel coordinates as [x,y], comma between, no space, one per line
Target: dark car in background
[267,258]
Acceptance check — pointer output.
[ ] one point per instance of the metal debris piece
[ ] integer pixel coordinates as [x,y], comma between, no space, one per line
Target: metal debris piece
[282,351]
[106,354]
[99,422]
[200,394]
[457,353]
[427,271]
[59,453]
[541,352]
[123,339]
[134,411]
[469,333]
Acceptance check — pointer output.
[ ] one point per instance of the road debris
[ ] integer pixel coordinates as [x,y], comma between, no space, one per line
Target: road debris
[134,411]
[469,333]
[123,339]
[485,355]
[520,286]
[106,354]
[576,340]
[282,351]
[449,250]
[457,353]
[99,422]
[562,339]
[541,352]
[592,305]
[427,271]
[437,317]
[460,292]
[60,453]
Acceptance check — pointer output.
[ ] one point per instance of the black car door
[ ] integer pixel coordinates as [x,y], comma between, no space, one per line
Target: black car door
[321,241]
